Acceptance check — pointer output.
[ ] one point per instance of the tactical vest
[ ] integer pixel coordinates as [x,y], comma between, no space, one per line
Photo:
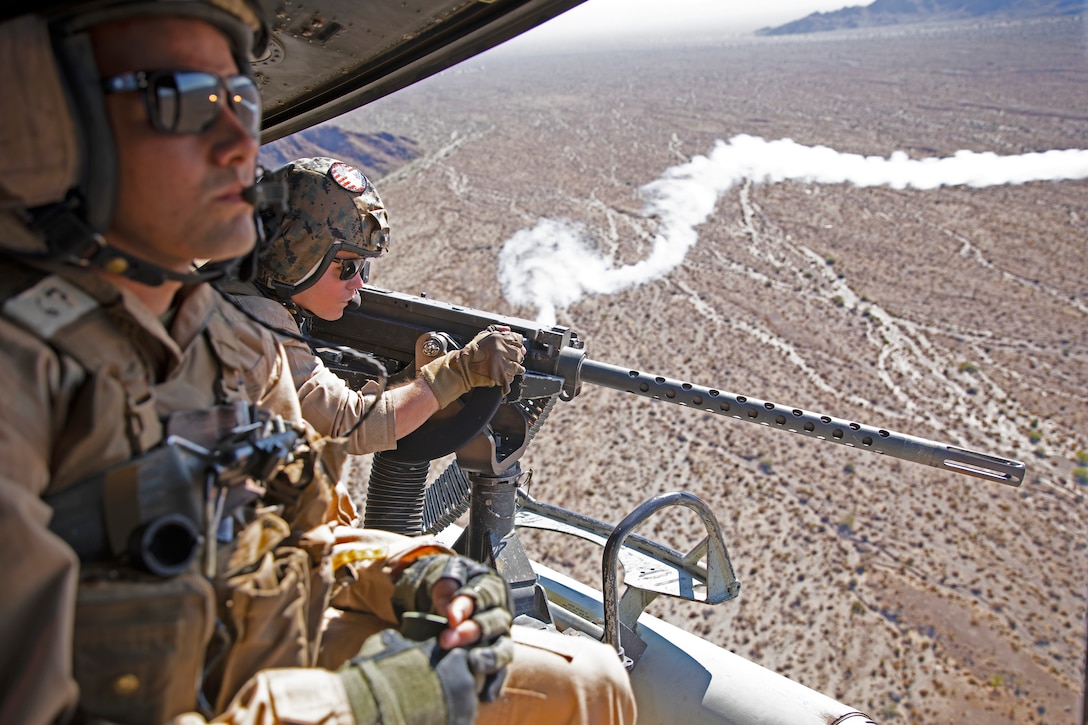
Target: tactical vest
[149,645]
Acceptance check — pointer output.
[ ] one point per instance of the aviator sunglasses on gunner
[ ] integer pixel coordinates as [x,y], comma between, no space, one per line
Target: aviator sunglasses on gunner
[351,267]
[189,101]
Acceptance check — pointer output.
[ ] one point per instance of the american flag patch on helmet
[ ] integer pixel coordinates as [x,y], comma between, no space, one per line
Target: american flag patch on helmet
[348,177]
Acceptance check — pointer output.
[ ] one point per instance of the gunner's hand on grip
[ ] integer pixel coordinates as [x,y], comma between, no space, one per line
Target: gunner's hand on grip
[492,358]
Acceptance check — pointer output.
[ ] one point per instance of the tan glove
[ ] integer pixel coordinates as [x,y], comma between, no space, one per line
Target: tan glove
[492,358]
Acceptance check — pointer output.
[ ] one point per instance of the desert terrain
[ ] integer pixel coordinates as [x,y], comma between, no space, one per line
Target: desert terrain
[955,314]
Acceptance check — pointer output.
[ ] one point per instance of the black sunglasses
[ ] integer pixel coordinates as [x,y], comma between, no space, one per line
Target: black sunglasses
[189,101]
[351,267]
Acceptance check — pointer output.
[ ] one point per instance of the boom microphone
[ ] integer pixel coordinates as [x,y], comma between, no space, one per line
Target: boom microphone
[267,194]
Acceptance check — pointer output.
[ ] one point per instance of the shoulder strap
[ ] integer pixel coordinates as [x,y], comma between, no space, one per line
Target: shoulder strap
[75,324]
[223,340]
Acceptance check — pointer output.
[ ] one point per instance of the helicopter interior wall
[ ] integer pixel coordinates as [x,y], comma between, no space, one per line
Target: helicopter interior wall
[329,60]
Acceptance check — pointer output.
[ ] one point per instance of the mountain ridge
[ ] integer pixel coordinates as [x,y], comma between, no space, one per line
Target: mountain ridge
[376,154]
[901,12]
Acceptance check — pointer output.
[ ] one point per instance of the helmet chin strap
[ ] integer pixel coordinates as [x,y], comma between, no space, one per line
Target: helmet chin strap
[126,265]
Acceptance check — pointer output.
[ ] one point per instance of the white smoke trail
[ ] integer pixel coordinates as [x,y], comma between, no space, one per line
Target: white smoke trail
[554,264]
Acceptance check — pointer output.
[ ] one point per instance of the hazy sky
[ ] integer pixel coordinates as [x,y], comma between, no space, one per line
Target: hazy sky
[609,18]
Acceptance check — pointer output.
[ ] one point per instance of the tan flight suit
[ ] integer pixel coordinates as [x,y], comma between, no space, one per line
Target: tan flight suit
[136,643]
[328,403]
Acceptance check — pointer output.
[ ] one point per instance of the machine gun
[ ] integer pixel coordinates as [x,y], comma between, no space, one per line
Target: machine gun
[154,511]
[406,331]
[489,433]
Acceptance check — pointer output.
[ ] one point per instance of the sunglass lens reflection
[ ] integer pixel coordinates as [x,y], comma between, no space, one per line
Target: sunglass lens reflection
[190,101]
[349,268]
[245,99]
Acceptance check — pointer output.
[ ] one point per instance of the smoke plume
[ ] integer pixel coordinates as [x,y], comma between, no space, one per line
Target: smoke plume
[555,263]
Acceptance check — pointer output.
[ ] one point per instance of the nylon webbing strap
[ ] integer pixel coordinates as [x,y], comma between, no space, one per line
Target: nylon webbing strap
[222,339]
[359,695]
[384,696]
[74,322]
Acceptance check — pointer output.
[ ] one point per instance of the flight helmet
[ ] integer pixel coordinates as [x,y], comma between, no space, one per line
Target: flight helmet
[331,206]
[58,161]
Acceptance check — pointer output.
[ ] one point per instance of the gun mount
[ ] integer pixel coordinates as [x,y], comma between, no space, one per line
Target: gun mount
[490,433]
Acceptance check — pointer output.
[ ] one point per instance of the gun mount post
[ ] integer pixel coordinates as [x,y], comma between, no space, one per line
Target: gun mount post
[814,425]
[490,537]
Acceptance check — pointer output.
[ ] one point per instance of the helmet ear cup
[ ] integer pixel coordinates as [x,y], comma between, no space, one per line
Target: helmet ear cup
[97,183]
[39,146]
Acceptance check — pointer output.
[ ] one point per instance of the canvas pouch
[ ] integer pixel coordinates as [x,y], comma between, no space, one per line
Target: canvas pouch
[139,646]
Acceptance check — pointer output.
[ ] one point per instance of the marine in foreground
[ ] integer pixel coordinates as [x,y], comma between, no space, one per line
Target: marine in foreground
[175,551]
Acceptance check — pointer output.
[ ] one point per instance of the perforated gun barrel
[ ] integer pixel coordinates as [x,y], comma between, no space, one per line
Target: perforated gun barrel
[813,425]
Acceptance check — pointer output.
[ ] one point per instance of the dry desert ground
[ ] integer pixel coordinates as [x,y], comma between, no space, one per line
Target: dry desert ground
[956,314]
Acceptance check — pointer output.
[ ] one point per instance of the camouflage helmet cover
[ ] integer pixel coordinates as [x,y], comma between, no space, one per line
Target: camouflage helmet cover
[331,206]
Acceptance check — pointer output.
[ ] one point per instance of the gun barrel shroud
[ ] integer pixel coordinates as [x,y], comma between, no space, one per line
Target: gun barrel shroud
[814,425]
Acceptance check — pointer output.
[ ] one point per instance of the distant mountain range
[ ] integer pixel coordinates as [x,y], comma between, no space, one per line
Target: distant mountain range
[899,12]
[376,154]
